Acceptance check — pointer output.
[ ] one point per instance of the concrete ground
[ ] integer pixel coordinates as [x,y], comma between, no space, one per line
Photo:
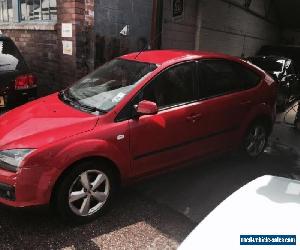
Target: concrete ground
[160,212]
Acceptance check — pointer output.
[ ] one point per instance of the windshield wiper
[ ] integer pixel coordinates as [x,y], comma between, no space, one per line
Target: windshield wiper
[72,100]
[92,109]
[63,96]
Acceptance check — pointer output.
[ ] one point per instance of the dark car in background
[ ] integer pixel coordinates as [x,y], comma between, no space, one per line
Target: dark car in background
[292,52]
[17,84]
[284,71]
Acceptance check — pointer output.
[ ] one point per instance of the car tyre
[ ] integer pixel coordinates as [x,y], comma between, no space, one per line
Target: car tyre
[85,192]
[255,140]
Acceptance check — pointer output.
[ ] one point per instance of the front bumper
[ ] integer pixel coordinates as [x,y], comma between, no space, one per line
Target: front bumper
[7,184]
[18,190]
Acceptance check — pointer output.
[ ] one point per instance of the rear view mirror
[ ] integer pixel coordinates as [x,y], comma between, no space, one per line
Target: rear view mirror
[146,108]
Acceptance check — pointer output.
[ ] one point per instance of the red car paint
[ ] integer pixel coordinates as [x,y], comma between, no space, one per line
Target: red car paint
[63,135]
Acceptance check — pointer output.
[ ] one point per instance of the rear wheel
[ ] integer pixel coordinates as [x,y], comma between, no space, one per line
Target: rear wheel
[85,192]
[255,140]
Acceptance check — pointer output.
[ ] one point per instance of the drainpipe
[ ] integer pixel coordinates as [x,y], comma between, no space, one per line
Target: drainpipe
[198,25]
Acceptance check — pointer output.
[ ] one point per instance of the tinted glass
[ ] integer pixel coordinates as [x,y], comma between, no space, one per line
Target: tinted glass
[218,77]
[109,84]
[10,58]
[248,77]
[151,92]
[173,86]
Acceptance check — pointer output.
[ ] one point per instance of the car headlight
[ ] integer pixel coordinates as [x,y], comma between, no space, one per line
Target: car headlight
[12,159]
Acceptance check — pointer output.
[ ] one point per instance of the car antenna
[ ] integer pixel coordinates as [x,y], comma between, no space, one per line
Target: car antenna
[146,45]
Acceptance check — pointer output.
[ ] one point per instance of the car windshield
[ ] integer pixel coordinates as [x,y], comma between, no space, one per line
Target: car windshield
[269,64]
[109,84]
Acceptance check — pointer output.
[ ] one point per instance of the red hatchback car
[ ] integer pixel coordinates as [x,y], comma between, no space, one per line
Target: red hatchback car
[135,116]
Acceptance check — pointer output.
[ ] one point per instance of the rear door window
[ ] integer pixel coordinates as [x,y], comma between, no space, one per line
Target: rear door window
[10,57]
[248,78]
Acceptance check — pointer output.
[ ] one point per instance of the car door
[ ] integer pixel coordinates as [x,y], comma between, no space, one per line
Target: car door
[228,95]
[166,138]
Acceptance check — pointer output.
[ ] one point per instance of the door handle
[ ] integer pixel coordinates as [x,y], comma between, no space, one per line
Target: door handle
[194,118]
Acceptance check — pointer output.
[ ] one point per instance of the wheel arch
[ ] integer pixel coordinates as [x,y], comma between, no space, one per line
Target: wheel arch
[265,120]
[99,159]
[260,113]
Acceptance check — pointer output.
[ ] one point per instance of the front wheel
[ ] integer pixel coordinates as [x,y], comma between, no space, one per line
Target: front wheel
[84,193]
[255,140]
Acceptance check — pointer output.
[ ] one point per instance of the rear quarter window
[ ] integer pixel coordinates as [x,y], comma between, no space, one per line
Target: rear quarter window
[248,78]
[10,57]
[218,77]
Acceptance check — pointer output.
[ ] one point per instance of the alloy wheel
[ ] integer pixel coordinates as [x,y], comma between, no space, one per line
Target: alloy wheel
[89,192]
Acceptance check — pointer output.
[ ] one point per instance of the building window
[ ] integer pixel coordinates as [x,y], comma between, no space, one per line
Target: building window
[6,11]
[28,10]
[38,10]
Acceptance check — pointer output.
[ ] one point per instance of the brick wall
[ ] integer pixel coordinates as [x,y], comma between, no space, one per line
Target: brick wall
[89,12]
[181,34]
[39,48]
[71,11]
[41,45]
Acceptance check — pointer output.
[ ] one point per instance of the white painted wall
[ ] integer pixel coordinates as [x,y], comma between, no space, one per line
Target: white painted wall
[225,28]
[179,35]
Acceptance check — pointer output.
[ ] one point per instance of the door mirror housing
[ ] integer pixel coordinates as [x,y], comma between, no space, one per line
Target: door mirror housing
[146,108]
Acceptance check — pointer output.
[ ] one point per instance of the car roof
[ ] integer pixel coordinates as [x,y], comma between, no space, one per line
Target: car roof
[168,56]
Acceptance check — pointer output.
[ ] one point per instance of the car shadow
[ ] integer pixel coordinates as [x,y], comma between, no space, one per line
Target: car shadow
[197,190]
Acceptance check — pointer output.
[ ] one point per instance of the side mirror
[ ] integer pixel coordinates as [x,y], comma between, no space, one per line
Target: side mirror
[146,108]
